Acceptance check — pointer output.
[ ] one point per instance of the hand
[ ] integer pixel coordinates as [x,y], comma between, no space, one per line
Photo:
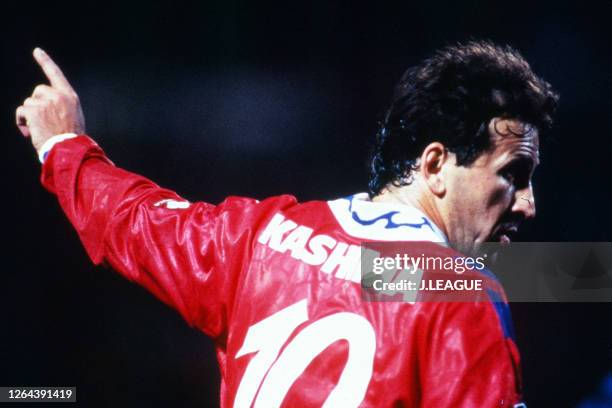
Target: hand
[51,110]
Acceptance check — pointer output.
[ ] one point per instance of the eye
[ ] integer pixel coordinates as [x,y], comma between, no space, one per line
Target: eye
[508,175]
[517,173]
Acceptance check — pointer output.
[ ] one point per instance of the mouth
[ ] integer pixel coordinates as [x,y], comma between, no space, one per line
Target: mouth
[505,234]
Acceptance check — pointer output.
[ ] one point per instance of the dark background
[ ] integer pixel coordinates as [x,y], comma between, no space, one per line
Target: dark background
[218,98]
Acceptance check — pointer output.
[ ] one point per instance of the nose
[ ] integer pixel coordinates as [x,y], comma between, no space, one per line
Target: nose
[524,202]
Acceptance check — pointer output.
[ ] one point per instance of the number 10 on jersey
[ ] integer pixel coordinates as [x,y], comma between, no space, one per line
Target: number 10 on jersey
[269,376]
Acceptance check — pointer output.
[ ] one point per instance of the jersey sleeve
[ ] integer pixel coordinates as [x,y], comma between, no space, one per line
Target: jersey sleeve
[470,359]
[189,255]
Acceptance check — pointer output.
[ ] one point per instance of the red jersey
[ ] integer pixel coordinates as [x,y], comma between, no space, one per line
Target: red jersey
[276,284]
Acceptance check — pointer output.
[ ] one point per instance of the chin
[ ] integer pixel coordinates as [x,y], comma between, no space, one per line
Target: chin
[467,248]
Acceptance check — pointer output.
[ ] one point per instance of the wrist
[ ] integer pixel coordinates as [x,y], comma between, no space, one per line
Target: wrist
[46,147]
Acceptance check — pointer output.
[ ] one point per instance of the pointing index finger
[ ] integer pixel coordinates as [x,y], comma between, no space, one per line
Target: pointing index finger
[52,71]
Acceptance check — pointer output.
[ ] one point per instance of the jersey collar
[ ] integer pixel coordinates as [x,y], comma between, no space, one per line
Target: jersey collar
[383,221]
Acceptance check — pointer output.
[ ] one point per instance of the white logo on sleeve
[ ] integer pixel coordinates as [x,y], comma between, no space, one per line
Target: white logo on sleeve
[172,204]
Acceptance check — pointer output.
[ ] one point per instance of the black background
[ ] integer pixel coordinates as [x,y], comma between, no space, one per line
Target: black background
[244,98]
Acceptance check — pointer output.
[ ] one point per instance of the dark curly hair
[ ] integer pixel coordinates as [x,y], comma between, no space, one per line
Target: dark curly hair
[451,97]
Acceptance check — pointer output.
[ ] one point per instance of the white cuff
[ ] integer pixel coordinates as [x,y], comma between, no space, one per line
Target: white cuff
[49,143]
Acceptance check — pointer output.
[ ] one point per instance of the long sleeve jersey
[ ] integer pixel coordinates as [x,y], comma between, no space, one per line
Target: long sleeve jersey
[276,284]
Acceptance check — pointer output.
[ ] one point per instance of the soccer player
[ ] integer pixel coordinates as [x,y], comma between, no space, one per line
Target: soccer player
[276,283]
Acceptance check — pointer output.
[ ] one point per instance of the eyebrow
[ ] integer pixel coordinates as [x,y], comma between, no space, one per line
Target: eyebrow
[522,156]
[522,161]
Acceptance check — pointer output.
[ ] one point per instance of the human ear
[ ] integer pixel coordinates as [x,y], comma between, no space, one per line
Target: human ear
[433,159]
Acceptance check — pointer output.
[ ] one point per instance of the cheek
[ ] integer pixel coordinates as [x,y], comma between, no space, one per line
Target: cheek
[499,195]
[481,197]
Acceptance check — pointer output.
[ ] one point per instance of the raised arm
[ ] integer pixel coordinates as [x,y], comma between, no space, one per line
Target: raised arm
[187,254]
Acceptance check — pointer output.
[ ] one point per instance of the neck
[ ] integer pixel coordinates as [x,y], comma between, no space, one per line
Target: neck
[413,195]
